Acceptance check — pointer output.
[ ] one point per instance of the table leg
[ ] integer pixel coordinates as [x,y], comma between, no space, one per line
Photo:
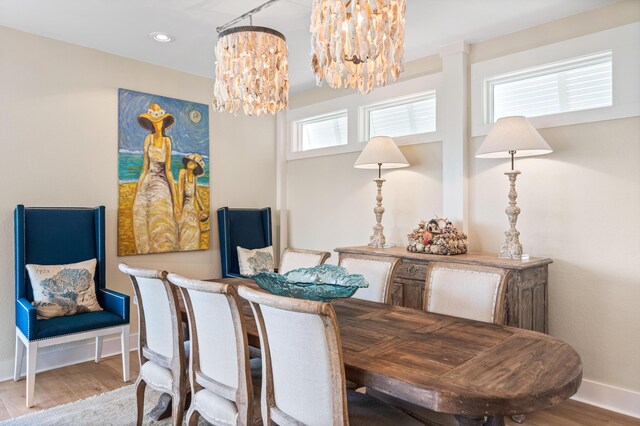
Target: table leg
[495,421]
[469,420]
[479,421]
[162,409]
[518,418]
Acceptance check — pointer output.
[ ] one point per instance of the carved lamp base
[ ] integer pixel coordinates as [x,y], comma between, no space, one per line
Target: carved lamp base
[378,240]
[512,249]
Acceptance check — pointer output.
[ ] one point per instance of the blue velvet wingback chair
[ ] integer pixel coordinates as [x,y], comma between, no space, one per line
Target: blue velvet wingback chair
[55,236]
[247,228]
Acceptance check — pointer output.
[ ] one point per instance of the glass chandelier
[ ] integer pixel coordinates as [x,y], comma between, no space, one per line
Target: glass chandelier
[251,71]
[357,43]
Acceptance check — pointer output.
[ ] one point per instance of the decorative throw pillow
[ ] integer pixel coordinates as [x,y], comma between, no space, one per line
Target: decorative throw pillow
[60,290]
[252,262]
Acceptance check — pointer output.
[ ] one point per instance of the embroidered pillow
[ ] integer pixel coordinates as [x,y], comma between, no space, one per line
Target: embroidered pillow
[60,290]
[252,262]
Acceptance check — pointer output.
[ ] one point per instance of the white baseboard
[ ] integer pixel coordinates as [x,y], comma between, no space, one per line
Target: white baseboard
[623,401]
[601,395]
[71,353]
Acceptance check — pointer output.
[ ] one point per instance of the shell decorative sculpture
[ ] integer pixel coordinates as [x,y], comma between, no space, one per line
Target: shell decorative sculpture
[320,283]
[438,236]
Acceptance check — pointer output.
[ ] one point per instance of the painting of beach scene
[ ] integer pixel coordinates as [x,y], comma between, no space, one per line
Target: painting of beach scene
[163,174]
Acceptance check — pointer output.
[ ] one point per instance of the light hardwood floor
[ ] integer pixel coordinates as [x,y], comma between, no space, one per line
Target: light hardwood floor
[68,384]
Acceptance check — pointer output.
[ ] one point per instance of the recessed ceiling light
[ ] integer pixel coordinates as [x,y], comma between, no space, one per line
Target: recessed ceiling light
[161,37]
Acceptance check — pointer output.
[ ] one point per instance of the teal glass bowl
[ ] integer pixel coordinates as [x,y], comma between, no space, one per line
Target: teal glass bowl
[321,283]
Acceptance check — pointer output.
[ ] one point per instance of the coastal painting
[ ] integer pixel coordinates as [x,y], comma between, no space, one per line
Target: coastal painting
[163,174]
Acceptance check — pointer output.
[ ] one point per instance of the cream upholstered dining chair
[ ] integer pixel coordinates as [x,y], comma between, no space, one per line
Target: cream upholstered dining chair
[303,378]
[219,366]
[377,271]
[162,351]
[466,291]
[298,258]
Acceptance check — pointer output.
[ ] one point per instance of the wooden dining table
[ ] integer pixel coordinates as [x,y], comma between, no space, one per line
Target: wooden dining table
[446,364]
[450,365]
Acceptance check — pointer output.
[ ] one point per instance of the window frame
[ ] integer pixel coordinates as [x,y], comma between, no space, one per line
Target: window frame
[297,133]
[539,71]
[353,102]
[364,115]
[625,69]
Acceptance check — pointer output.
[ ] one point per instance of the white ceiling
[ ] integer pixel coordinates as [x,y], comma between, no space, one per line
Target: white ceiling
[121,27]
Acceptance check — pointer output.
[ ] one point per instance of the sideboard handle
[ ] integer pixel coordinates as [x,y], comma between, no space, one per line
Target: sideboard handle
[412,270]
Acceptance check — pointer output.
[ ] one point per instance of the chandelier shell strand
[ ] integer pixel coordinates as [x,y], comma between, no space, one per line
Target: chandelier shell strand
[357,43]
[251,71]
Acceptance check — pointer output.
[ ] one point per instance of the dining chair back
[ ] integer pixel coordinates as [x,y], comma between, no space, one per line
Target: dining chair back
[466,291]
[161,347]
[298,258]
[304,386]
[219,363]
[377,271]
[303,376]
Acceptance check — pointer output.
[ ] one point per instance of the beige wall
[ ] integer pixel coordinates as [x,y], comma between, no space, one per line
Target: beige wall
[330,203]
[592,21]
[580,207]
[325,194]
[581,204]
[417,68]
[58,147]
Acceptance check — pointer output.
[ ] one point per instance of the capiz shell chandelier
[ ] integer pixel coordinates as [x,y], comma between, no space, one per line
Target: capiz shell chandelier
[251,71]
[357,43]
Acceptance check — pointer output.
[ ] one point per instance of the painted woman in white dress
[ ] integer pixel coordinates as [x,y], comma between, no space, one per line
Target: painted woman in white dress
[192,210]
[154,211]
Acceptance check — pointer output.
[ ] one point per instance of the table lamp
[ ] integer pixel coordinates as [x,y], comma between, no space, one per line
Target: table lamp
[381,152]
[512,137]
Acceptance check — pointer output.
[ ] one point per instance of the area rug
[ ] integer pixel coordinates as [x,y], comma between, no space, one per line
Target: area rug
[115,408]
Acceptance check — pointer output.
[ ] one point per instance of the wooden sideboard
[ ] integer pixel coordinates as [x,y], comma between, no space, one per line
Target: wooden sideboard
[527,286]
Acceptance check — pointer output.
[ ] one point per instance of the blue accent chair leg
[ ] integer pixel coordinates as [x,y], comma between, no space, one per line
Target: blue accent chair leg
[32,356]
[17,371]
[98,348]
[126,353]
[31,347]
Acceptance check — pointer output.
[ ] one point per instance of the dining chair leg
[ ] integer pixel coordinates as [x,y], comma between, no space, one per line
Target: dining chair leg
[32,356]
[177,408]
[126,355]
[140,387]
[192,416]
[98,348]
[17,370]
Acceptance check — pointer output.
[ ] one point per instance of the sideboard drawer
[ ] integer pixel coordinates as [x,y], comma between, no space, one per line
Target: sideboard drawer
[407,293]
[397,294]
[412,270]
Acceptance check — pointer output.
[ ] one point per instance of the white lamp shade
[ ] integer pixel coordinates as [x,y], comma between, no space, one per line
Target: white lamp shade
[381,150]
[512,134]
